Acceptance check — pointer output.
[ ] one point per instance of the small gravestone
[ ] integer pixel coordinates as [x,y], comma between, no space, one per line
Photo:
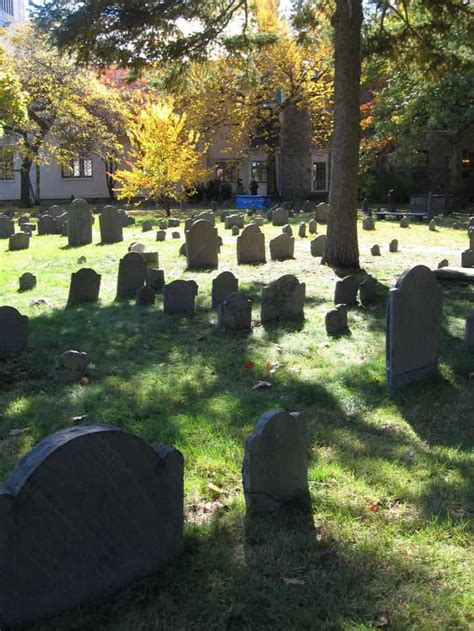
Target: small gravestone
[312,226]
[207,216]
[28,228]
[375,250]
[287,230]
[432,225]
[155,278]
[27,281]
[88,511]
[283,299]
[322,212]
[467,258]
[336,320]
[222,286]
[368,291]
[23,219]
[368,223]
[79,223]
[131,275]
[13,332]
[468,343]
[56,211]
[443,263]
[147,225]
[235,231]
[233,220]
[393,245]
[151,259]
[202,245]
[179,296]
[275,467]
[110,224]
[84,287]
[173,223]
[413,327]
[145,296]
[405,222]
[71,366]
[235,313]
[19,241]
[214,206]
[280,217]
[137,247]
[47,225]
[163,224]
[308,206]
[81,260]
[223,215]
[251,246]
[282,247]
[175,235]
[346,290]
[124,218]
[7,227]
[302,230]
[161,235]
[318,244]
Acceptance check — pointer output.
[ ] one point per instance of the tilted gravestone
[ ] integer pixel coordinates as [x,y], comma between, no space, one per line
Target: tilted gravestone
[79,223]
[336,320]
[13,333]
[318,245]
[84,287]
[467,258]
[222,286]
[202,245]
[393,245]
[282,247]
[280,217]
[413,327]
[151,259]
[345,292]
[131,275]
[468,343]
[27,281]
[19,241]
[375,250]
[233,220]
[7,227]
[71,366]
[283,299]
[179,296]
[251,246]
[86,512]
[47,225]
[275,467]
[110,225]
[173,223]
[368,291]
[443,263]
[235,313]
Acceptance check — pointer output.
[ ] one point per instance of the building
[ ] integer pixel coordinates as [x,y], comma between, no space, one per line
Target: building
[12,11]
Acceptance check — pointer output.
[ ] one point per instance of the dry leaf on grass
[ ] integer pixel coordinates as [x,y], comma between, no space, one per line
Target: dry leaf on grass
[382,620]
[262,384]
[17,432]
[292,581]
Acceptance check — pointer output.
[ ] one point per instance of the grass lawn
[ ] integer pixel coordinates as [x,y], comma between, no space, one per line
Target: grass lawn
[391,480]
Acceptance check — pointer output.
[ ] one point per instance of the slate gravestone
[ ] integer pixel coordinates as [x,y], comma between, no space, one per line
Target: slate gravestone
[368,223]
[202,245]
[7,227]
[173,223]
[467,257]
[283,299]
[368,291]
[137,247]
[27,281]
[155,278]
[61,221]
[47,225]
[312,226]
[147,225]
[282,247]
[318,244]
[336,320]
[280,217]
[214,205]
[275,467]
[86,512]
[346,290]
[393,246]
[71,366]
[110,225]
[207,216]
[29,228]
[251,246]
[84,287]
[145,296]
[443,263]
[432,225]
[375,250]
[235,231]
[79,223]
[161,235]
[55,211]
[131,275]
[151,259]
[322,212]
[468,343]
[413,327]
[179,296]
[259,221]
[19,241]
[163,224]
[123,217]
[222,286]
[405,222]
[287,230]
[175,235]
[235,313]
[302,230]
[233,220]
[13,333]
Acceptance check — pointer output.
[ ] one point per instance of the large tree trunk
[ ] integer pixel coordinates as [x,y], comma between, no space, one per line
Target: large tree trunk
[25,184]
[342,249]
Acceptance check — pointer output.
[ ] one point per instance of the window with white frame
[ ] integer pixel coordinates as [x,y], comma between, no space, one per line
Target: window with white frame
[320,175]
[227,170]
[6,166]
[78,168]
[258,171]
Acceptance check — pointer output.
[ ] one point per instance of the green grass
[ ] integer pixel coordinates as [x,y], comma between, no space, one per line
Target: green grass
[391,480]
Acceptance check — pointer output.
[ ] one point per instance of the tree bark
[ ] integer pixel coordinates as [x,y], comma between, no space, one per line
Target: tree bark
[25,184]
[342,248]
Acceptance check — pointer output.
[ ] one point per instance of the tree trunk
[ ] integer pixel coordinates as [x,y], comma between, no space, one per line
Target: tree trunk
[110,168]
[271,172]
[342,248]
[25,184]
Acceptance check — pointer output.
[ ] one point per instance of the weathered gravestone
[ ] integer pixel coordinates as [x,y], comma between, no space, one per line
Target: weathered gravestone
[235,231]
[233,220]
[84,287]
[302,230]
[322,212]
[413,327]
[368,291]
[173,223]
[207,216]
[161,235]
[468,343]
[71,366]
[432,225]
[275,467]
[251,246]
[137,247]
[393,245]
[235,313]
[336,320]
[202,245]
[287,230]
[283,299]
[222,286]
[280,217]
[155,278]
[147,225]
[308,206]
[368,223]
[467,258]
[179,296]
[282,247]
[345,292]
[145,296]
[223,215]
[13,333]
[47,225]
[405,222]
[86,512]
[375,250]
[110,225]
[131,275]
[312,226]
[151,259]
[55,211]
[7,227]
[163,224]
[19,241]
[79,223]
[175,235]
[27,281]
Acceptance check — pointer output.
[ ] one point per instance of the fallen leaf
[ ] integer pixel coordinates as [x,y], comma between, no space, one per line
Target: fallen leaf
[78,419]
[249,366]
[262,384]
[216,490]
[382,620]
[17,432]
[85,381]
[292,581]
[374,507]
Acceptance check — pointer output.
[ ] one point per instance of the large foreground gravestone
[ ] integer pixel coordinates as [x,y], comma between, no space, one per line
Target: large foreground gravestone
[110,223]
[79,223]
[86,512]
[131,275]
[275,467]
[413,327]
[13,333]
[222,286]
[251,245]
[235,313]
[84,287]
[179,296]
[283,299]
[202,245]
[282,247]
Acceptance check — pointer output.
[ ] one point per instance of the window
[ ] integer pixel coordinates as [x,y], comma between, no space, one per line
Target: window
[258,170]
[6,166]
[78,167]
[320,176]
[227,171]
[7,6]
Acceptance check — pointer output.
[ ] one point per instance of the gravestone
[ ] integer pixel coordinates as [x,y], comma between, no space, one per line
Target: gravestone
[318,244]
[47,225]
[175,235]
[19,241]
[283,299]
[84,287]
[202,245]
[124,218]
[302,230]
[432,225]
[179,296]
[287,230]
[322,212]
[259,221]
[368,291]
[155,278]
[413,327]
[468,343]
[308,206]
[368,223]
[188,223]
[207,216]
[147,225]
[467,258]
[81,260]
[405,222]
[131,275]
[222,286]
[182,250]
[345,292]
[235,231]
[7,227]
[443,263]
[79,223]
[151,259]
[110,224]
[235,313]
[275,467]
[163,224]
[223,215]
[137,247]
[71,366]
[375,250]
[145,296]
[282,247]
[233,220]
[29,228]
[336,320]
[312,226]
[161,235]
[88,511]
[173,223]
[13,333]
[393,245]
[251,246]
[56,211]
[280,217]
[27,281]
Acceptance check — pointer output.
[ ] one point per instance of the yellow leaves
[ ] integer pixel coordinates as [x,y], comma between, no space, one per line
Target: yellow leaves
[12,97]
